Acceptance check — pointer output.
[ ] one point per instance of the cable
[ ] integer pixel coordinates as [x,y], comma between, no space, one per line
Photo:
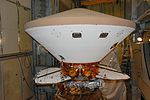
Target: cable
[26,8]
[27,62]
[146,56]
[24,78]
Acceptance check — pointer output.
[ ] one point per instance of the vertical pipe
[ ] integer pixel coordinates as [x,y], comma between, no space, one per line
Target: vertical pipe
[120,6]
[134,10]
[34,46]
[125,2]
[48,5]
[58,1]
[56,6]
[2,87]
[113,9]
[53,6]
[34,15]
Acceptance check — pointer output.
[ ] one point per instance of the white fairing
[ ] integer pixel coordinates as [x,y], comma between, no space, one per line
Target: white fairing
[53,75]
[50,76]
[111,75]
[47,70]
[58,40]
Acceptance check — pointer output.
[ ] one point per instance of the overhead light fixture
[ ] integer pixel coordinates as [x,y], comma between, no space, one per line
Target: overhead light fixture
[139,39]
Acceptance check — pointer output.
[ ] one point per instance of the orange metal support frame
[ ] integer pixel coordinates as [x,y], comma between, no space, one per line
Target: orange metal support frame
[94,2]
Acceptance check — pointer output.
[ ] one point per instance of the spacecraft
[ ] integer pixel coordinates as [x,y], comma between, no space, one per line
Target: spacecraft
[79,38]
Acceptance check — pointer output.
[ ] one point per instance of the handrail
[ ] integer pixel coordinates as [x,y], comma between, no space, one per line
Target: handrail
[14,55]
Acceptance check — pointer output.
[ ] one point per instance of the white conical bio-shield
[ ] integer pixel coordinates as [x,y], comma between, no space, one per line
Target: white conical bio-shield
[79,35]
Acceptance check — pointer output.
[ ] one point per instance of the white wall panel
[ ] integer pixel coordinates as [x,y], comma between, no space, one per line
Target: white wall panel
[10,24]
[15,73]
[13,86]
[9,27]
